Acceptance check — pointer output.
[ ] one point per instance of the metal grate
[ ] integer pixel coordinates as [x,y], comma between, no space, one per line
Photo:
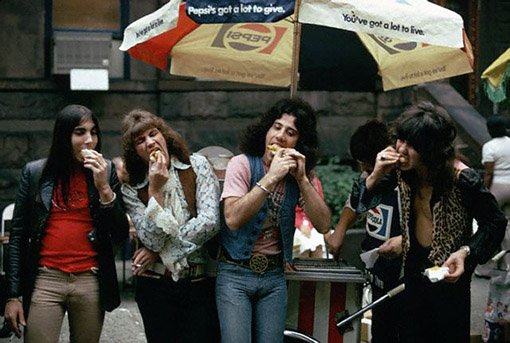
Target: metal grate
[80,50]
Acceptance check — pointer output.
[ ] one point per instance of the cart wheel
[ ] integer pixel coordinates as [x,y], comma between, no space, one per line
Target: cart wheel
[367,295]
[292,336]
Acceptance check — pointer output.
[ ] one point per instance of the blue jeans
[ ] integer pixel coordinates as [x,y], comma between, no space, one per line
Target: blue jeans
[247,300]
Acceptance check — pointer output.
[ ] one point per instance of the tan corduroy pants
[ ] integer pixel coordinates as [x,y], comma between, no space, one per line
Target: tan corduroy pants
[56,293]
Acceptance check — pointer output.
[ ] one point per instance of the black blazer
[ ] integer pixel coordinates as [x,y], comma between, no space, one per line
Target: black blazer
[31,212]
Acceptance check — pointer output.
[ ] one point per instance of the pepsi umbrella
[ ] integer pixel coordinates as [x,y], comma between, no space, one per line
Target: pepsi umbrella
[268,53]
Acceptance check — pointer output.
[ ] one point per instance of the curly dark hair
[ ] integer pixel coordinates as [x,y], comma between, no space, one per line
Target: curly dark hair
[430,131]
[133,124]
[368,140]
[252,139]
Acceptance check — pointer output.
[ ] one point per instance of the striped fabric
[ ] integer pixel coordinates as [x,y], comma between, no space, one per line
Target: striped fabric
[313,304]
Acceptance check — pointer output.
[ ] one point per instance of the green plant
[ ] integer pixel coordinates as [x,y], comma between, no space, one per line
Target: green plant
[336,182]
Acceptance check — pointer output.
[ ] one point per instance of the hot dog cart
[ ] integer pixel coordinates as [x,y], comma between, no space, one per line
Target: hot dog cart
[317,290]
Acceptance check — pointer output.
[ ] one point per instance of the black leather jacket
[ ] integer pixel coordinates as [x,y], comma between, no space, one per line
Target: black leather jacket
[31,213]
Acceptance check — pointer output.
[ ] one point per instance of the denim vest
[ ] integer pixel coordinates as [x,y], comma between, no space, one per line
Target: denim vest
[239,244]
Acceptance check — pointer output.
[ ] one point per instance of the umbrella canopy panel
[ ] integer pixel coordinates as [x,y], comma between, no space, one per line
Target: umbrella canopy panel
[258,53]
[404,64]
[496,76]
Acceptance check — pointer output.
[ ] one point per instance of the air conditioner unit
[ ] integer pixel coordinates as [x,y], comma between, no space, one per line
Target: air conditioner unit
[81,50]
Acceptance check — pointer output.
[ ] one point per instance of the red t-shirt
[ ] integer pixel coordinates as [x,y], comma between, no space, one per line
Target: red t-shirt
[65,244]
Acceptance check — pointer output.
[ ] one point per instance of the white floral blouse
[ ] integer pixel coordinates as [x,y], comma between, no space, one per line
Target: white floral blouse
[187,242]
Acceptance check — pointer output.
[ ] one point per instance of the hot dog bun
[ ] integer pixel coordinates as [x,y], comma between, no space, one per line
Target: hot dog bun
[86,152]
[273,148]
[153,157]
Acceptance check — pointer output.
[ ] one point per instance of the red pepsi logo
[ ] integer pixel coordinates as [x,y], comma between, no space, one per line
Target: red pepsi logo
[262,38]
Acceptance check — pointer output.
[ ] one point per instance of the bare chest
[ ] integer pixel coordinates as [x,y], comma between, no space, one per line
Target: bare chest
[423,215]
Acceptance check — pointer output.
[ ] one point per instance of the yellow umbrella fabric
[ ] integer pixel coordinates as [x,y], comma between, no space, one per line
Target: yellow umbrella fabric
[403,64]
[496,76]
[259,53]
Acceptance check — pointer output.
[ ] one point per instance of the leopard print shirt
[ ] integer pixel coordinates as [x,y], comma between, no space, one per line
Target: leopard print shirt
[451,215]
[451,225]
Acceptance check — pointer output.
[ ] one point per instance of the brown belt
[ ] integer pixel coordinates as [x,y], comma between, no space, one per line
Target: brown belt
[196,272]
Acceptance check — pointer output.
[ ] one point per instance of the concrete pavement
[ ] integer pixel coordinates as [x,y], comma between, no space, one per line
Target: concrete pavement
[479,295]
[124,325]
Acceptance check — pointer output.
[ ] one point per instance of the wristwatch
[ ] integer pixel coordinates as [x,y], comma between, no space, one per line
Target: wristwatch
[467,249]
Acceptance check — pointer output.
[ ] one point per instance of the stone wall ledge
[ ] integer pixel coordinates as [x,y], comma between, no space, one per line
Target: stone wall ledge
[61,83]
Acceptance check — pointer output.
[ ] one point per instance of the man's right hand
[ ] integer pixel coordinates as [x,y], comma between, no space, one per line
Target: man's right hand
[386,161]
[392,248]
[14,314]
[281,165]
[335,242]
[158,176]
[143,258]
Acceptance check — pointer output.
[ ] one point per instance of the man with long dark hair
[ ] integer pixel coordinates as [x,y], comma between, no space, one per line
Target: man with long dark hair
[172,198]
[68,213]
[439,198]
[261,190]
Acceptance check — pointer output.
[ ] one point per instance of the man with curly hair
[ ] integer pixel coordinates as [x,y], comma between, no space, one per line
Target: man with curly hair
[261,190]
[172,197]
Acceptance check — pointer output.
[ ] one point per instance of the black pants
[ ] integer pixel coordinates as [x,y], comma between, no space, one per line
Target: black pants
[437,312]
[434,312]
[386,318]
[181,312]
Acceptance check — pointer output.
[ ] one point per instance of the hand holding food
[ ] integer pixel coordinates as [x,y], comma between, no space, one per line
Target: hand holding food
[92,158]
[281,162]
[158,169]
[273,148]
[436,273]
[95,162]
[153,159]
[87,153]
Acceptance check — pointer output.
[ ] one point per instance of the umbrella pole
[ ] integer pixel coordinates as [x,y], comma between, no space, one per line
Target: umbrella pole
[295,52]
[495,108]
